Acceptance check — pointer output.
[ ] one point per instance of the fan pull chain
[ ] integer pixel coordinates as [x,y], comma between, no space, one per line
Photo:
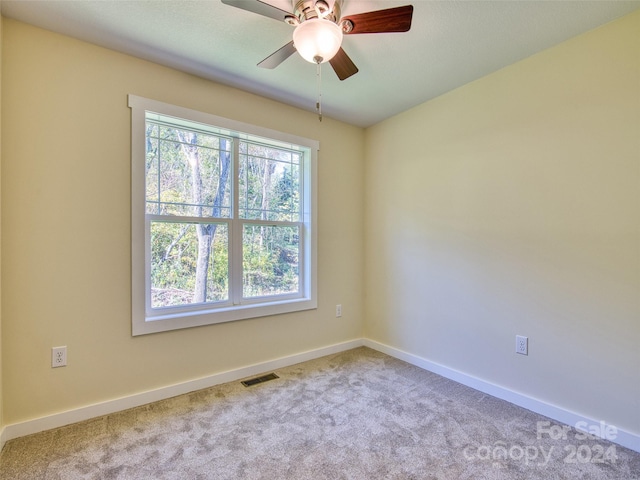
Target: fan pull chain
[319,102]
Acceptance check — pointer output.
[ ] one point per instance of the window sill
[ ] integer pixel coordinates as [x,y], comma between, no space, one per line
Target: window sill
[161,323]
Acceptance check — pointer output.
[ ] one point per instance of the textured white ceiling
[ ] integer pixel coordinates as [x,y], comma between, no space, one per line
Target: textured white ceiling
[450,44]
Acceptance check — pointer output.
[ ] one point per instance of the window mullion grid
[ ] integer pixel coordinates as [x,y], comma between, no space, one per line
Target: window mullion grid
[303,223]
[304,212]
[159,179]
[235,267]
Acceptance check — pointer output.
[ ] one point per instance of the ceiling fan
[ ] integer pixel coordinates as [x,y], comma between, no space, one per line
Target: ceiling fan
[319,28]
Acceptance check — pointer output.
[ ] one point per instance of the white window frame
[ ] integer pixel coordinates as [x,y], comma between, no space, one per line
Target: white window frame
[144,319]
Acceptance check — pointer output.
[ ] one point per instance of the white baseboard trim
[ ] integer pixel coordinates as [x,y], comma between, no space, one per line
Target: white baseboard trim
[3,440]
[567,417]
[111,406]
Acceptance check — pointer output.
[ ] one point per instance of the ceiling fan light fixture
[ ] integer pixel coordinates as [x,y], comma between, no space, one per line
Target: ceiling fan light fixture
[317,40]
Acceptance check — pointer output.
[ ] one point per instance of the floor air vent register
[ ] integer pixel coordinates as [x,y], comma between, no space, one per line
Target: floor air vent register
[261,379]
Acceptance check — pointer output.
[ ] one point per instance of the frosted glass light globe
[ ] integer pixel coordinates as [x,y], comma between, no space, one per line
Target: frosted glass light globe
[317,40]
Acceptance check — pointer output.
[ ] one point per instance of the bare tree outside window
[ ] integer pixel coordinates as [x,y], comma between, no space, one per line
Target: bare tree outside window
[188,178]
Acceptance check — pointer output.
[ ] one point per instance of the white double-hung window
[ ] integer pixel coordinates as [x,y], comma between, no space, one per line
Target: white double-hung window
[223,219]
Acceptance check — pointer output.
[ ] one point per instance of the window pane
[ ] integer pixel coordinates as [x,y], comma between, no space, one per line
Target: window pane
[270,260]
[269,183]
[188,173]
[189,263]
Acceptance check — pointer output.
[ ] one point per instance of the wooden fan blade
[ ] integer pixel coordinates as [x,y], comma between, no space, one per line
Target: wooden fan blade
[342,65]
[279,56]
[261,8]
[381,21]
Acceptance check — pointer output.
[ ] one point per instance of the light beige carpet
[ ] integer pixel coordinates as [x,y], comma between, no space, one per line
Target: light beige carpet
[354,415]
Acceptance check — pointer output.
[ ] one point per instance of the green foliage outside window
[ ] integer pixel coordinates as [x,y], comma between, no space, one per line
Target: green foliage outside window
[189,194]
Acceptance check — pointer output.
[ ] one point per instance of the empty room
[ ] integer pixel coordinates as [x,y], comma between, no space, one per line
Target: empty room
[342,239]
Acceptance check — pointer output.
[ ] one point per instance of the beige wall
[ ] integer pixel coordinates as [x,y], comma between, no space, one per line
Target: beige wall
[512,206]
[509,206]
[66,242]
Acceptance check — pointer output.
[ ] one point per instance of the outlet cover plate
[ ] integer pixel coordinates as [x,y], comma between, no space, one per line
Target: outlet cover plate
[58,357]
[522,345]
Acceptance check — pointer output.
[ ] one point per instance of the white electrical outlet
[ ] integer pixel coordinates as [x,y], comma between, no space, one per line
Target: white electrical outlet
[522,345]
[58,357]
[338,310]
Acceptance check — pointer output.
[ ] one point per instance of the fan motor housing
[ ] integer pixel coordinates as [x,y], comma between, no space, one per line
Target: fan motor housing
[306,10]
